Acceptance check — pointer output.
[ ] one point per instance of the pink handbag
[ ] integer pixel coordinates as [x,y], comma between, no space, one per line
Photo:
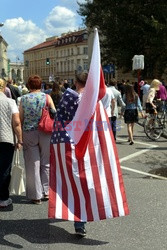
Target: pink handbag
[46,121]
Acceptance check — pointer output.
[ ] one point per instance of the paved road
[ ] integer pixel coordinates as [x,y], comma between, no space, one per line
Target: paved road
[26,226]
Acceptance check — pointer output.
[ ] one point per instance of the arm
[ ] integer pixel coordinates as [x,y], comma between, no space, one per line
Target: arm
[112,106]
[120,101]
[16,124]
[150,97]
[51,103]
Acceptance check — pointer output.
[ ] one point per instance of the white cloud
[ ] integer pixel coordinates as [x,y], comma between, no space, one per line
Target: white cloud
[21,35]
[60,20]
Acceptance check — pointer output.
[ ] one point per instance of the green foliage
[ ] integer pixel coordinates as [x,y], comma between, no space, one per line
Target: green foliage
[130,28]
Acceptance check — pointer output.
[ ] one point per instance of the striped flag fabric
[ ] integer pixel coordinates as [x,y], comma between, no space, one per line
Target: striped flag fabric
[86,185]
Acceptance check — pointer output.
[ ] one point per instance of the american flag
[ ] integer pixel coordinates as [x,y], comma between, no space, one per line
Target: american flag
[86,182]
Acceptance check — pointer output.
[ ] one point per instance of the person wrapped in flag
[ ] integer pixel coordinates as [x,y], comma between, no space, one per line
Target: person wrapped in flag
[86,182]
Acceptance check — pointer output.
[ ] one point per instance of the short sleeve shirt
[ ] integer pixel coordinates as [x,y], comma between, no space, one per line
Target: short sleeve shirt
[106,100]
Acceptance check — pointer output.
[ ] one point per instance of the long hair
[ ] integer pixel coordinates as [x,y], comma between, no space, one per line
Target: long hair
[130,93]
[55,88]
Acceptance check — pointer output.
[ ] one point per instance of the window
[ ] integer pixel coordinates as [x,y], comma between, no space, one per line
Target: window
[85,50]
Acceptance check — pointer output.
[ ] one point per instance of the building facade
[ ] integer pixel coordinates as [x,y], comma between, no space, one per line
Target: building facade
[58,58]
[4,69]
[16,71]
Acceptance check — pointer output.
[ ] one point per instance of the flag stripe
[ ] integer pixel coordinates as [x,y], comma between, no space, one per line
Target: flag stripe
[70,192]
[96,180]
[77,208]
[84,185]
[52,188]
[108,172]
[64,186]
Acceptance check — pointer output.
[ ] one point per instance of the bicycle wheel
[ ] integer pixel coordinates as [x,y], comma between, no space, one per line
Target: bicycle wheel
[153,128]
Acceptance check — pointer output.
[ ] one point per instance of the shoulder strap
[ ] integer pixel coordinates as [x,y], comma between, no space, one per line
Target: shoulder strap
[47,103]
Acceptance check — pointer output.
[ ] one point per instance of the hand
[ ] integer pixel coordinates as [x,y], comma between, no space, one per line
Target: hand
[18,145]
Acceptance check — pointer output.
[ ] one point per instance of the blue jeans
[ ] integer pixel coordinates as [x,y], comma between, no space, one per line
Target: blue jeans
[79,224]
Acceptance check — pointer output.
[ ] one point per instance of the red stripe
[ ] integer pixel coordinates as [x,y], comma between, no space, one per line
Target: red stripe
[96,180]
[107,166]
[85,189]
[64,187]
[77,208]
[81,146]
[52,188]
[102,86]
[121,182]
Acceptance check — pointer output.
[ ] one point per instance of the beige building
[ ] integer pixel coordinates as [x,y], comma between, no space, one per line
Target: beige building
[58,57]
[4,69]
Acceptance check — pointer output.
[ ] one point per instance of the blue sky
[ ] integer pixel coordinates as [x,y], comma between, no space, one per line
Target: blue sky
[29,22]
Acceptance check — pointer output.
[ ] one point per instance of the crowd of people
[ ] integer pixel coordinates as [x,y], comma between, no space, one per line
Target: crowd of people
[21,110]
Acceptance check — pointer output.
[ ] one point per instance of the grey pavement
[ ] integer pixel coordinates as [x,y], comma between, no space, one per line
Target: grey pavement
[26,226]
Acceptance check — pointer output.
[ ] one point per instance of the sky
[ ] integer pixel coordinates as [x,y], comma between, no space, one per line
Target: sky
[29,22]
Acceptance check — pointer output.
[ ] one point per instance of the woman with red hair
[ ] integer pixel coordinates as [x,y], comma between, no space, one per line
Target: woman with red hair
[36,144]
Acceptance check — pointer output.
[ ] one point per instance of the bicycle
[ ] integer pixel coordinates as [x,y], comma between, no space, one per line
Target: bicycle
[155,124]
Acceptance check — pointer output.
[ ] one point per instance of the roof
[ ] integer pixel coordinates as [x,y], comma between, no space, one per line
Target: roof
[65,39]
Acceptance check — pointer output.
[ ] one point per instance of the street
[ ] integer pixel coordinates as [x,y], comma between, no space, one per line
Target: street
[26,225]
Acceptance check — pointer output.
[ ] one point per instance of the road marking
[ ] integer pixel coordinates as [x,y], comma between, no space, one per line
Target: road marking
[150,147]
[144,173]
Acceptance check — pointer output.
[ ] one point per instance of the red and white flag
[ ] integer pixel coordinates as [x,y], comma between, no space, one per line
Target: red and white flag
[94,91]
[86,182]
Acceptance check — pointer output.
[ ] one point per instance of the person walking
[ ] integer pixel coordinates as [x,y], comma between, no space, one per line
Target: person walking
[118,100]
[36,144]
[76,193]
[132,101]
[10,127]
[145,88]
[56,94]
[14,90]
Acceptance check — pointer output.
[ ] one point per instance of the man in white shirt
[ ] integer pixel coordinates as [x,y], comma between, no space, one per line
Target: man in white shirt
[118,100]
[145,87]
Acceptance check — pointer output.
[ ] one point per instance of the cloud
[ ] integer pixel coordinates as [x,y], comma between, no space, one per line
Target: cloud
[60,20]
[21,35]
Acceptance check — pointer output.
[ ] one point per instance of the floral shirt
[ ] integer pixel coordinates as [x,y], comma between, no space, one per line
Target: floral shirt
[32,105]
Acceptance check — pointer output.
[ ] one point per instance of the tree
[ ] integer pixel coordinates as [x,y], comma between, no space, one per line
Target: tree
[128,28]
